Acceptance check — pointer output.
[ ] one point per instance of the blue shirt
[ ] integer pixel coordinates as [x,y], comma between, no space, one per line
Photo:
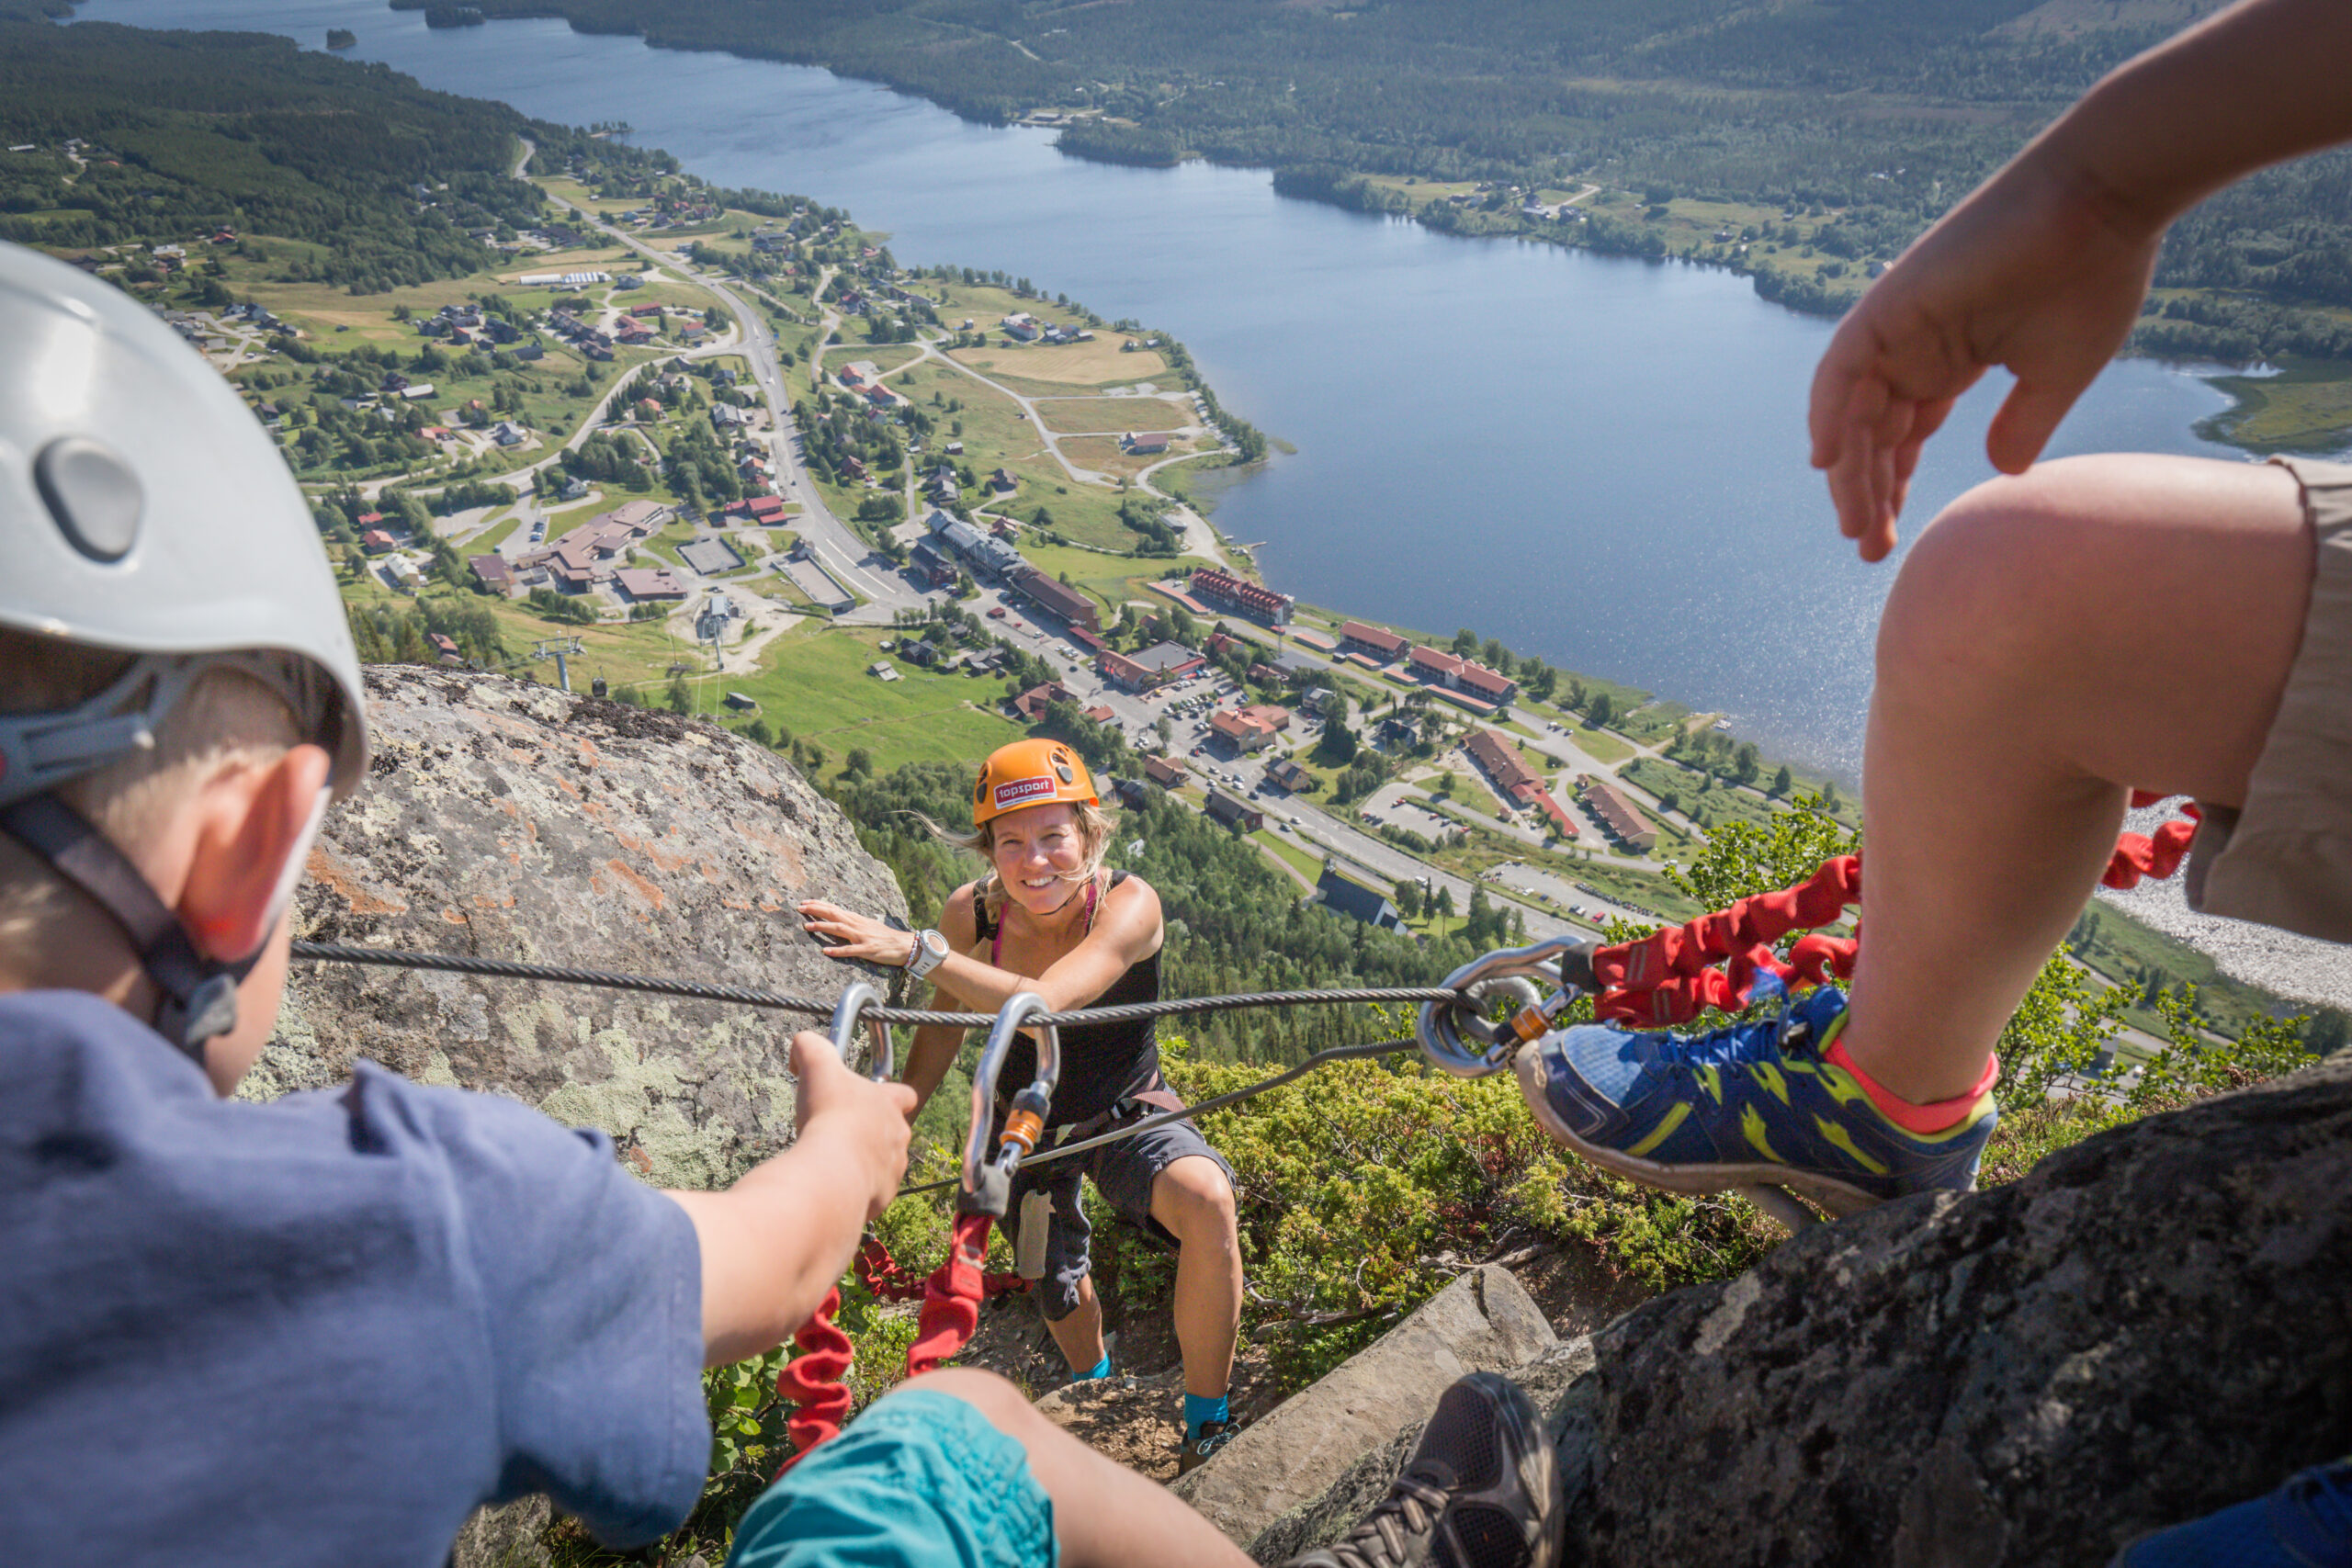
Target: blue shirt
[319,1330]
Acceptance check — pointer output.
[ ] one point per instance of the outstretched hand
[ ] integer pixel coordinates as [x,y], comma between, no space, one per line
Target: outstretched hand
[873,1119]
[2034,272]
[848,934]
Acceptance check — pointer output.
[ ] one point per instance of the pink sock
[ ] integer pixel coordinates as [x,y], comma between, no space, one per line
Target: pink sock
[1934,1117]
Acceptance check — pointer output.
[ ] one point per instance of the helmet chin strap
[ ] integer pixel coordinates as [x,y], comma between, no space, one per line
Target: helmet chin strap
[199,994]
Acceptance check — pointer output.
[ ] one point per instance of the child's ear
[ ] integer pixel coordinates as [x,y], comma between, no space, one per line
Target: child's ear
[254,819]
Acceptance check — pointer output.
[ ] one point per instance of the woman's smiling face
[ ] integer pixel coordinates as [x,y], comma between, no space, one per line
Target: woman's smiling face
[1037,851]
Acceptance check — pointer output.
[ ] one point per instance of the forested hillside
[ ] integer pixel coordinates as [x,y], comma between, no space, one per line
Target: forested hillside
[1877,114]
[158,137]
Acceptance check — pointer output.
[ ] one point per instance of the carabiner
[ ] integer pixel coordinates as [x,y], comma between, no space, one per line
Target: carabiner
[1564,962]
[857,997]
[988,1176]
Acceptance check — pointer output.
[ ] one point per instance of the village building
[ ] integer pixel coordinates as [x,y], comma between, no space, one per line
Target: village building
[1153,666]
[1165,772]
[1243,733]
[643,585]
[1057,599]
[1356,896]
[493,573]
[1146,446]
[1355,637]
[1618,817]
[1031,704]
[1464,676]
[1253,598]
[1290,775]
[1235,812]
[1503,767]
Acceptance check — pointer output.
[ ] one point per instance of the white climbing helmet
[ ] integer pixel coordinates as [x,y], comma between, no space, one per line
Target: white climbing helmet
[143,508]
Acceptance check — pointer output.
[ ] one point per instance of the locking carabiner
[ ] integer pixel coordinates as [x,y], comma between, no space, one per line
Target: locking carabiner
[857,997]
[1564,962]
[988,1175]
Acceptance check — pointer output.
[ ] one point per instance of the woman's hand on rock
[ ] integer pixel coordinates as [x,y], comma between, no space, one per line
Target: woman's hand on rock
[848,934]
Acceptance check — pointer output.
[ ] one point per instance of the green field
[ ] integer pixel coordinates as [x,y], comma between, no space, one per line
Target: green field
[2305,408]
[815,684]
[1078,416]
[1282,847]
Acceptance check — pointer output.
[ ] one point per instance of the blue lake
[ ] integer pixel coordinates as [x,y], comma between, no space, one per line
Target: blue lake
[1597,460]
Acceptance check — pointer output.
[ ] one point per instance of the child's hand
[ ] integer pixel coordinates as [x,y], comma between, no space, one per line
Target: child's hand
[871,1121]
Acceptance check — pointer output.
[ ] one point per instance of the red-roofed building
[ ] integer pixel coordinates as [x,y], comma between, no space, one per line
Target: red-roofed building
[1271,714]
[1560,819]
[1031,704]
[1617,815]
[1246,733]
[1167,774]
[1442,669]
[1254,599]
[1500,760]
[1358,638]
[375,541]
[1057,598]
[1100,713]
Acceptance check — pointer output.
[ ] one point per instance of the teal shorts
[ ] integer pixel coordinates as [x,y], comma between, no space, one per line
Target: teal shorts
[920,1479]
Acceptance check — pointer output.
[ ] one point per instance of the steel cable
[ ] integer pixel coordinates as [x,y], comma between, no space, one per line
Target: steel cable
[783,1001]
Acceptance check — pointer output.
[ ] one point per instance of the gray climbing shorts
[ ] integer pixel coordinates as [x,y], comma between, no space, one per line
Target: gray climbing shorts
[1123,1172]
[2285,858]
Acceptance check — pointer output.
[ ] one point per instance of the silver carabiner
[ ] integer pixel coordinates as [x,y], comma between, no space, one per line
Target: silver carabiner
[857,997]
[988,1175]
[1564,962]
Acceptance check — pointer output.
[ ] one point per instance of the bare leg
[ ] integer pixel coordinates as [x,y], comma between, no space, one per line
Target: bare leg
[2097,625]
[1079,1334]
[1195,1200]
[1103,1513]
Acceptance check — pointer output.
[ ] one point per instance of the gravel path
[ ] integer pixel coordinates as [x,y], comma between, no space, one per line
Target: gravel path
[2291,965]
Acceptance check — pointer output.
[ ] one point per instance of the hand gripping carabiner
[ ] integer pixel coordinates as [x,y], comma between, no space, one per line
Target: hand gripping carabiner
[857,997]
[988,1176]
[1454,1037]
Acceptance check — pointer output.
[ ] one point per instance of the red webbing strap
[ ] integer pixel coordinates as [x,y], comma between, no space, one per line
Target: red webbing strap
[951,1297]
[951,1311]
[812,1380]
[1669,976]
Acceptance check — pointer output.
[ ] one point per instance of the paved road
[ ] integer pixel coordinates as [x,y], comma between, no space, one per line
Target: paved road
[833,541]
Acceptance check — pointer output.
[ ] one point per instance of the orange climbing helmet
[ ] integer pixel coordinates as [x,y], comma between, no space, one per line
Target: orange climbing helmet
[1029,773]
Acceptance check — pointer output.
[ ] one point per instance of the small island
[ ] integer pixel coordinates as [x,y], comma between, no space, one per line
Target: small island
[341,38]
[452,17]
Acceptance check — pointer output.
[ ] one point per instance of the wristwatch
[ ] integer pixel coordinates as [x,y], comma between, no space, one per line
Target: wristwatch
[928,949]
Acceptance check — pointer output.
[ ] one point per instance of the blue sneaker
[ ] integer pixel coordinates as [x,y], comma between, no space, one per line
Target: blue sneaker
[2307,1523]
[1750,1107]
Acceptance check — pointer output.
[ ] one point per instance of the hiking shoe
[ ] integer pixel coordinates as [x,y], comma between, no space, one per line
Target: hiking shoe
[1481,1491]
[1750,1106]
[1193,1453]
[2307,1523]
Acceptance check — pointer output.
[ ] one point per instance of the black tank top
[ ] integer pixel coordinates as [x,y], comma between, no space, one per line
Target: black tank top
[1102,1064]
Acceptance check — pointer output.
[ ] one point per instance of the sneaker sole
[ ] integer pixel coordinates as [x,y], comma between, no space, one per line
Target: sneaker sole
[1837,1198]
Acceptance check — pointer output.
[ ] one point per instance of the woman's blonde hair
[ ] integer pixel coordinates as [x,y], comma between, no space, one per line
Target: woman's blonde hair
[1093,837]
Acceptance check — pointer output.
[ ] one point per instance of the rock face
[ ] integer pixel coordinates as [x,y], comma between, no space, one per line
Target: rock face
[2152,1324]
[510,820]
[1482,1322]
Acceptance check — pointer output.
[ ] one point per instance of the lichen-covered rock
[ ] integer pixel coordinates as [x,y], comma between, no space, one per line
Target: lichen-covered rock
[2154,1324]
[509,820]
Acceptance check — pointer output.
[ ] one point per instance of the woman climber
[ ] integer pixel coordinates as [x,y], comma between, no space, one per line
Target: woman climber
[1047,918]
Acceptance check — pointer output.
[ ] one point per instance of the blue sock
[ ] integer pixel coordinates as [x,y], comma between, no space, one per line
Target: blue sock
[1101,1369]
[1199,1409]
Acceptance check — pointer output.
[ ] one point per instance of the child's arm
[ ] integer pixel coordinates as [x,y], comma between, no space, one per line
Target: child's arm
[778,1239]
[2042,269]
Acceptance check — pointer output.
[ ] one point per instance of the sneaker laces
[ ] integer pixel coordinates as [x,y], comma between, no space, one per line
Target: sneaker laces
[1789,1029]
[1383,1538]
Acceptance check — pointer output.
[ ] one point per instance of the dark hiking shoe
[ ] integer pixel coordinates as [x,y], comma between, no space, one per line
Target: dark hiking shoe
[1481,1491]
[1193,1453]
[2307,1523]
